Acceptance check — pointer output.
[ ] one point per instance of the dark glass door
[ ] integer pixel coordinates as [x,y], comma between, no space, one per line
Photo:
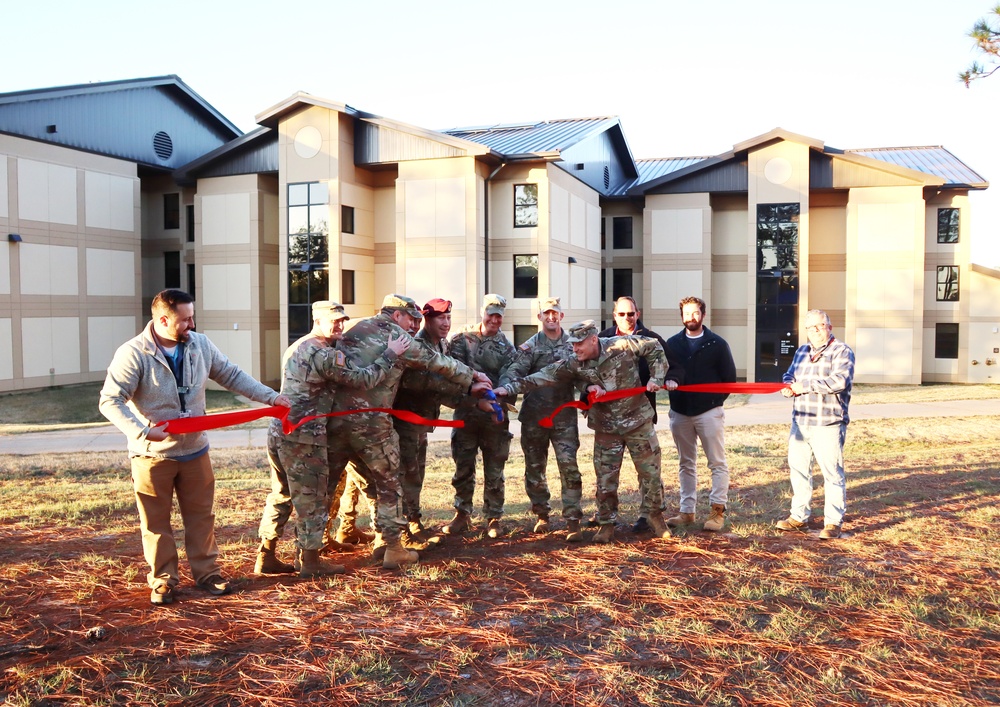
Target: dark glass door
[777,289]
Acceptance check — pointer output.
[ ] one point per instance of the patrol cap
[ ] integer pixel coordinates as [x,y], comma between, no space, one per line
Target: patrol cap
[494,304]
[550,304]
[326,308]
[436,307]
[582,331]
[402,303]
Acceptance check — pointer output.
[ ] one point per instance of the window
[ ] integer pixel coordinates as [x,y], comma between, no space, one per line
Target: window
[777,295]
[172,269]
[604,244]
[525,205]
[190,288]
[947,283]
[189,214]
[347,287]
[621,282]
[604,284]
[948,225]
[523,332]
[946,341]
[526,276]
[171,211]
[346,221]
[621,228]
[308,267]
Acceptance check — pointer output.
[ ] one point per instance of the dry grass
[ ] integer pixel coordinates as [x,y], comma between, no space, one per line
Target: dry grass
[903,611]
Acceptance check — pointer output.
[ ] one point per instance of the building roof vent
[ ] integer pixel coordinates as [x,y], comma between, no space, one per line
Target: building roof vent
[163,146]
[607,178]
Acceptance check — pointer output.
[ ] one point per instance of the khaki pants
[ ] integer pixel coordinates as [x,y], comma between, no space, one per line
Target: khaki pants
[155,482]
[708,428]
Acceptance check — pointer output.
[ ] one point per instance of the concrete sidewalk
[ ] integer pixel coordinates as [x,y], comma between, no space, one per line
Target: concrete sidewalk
[760,410]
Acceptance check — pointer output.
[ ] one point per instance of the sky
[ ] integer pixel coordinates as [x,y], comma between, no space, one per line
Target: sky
[685,78]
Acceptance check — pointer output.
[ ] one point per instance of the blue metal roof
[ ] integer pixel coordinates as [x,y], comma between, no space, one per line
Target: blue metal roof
[929,160]
[650,169]
[159,122]
[549,136]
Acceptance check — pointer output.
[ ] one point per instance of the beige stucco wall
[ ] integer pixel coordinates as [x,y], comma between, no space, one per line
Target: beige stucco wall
[69,291]
[885,283]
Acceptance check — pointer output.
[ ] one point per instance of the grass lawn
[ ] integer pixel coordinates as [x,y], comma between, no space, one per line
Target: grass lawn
[904,610]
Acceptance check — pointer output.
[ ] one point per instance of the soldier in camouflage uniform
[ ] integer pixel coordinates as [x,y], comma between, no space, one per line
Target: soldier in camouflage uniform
[300,478]
[602,365]
[548,346]
[422,392]
[484,348]
[371,436]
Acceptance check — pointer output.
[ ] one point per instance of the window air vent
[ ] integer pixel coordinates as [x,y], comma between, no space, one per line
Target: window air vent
[163,146]
[607,177]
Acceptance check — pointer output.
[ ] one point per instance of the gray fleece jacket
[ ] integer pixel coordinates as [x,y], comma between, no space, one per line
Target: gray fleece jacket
[140,389]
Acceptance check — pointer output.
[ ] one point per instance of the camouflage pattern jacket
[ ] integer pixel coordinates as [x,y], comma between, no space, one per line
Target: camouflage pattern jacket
[615,368]
[363,343]
[532,356]
[311,371]
[424,392]
[488,354]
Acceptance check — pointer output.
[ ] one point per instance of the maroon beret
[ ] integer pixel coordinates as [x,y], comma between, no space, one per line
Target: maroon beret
[436,307]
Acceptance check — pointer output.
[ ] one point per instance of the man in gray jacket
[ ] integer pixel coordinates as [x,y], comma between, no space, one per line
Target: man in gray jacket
[161,375]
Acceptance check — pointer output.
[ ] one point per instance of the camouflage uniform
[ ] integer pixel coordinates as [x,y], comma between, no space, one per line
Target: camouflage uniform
[371,436]
[532,356]
[420,392]
[618,424]
[490,355]
[300,472]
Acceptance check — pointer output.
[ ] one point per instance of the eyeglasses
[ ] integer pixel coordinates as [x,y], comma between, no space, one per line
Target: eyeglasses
[625,314]
[816,327]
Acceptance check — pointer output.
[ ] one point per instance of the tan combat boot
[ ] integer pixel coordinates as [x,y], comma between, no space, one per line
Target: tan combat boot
[396,556]
[268,562]
[493,529]
[716,519]
[680,519]
[606,534]
[350,534]
[542,525]
[312,566]
[458,525]
[378,547]
[659,528]
[573,534]
[418,532]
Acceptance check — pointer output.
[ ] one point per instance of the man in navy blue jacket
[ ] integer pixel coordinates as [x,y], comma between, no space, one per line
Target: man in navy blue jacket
[705,358]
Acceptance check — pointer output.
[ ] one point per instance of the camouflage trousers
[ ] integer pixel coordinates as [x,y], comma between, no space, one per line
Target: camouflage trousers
[300,479]
[480,432]
[535,441]
[609,450]
[413,465]
[377,450]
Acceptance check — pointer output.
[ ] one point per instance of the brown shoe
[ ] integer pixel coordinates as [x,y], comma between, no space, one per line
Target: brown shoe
[542,525]
[573,534]
[680,519]
[830,532]
[790,523]
[716,519]
[458,525]
[659,528]
[396,556]
[412,542]
[378,547]
[267,560]
[161,595]
[494,529]
[312,566]
[606,534]
[215,585]
[418,530]
[350,534]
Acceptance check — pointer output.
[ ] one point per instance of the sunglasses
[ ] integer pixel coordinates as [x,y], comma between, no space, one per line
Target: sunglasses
[625,314]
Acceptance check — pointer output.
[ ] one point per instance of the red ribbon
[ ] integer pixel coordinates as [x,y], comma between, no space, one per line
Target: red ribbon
[611,396]
[203,423]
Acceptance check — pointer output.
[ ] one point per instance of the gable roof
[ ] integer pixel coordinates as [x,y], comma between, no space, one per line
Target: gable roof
[533,140]
[157,122]
[931,165]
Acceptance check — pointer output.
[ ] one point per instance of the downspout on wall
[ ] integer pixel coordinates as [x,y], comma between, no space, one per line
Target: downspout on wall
[486,228]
